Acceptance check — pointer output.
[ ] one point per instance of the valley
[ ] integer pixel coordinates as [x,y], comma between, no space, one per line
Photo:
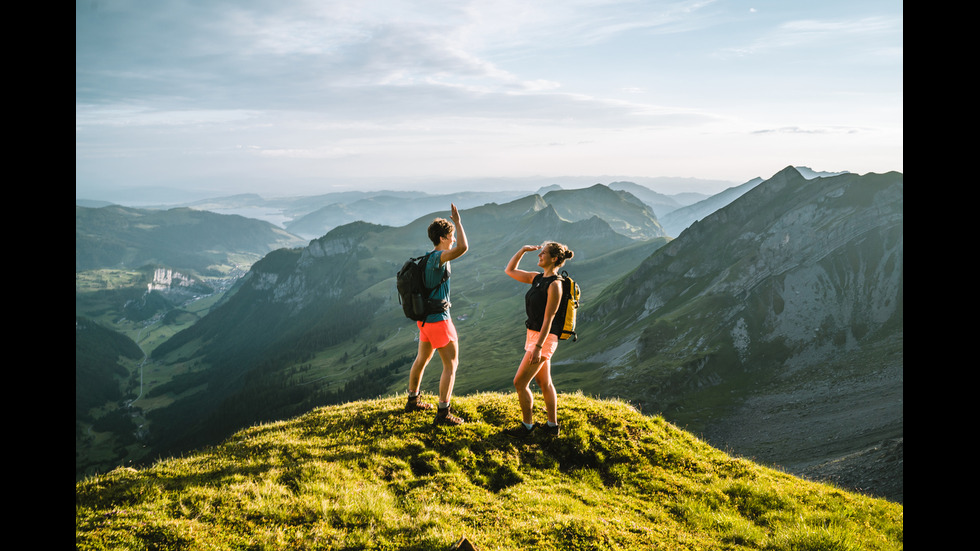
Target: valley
[842,424]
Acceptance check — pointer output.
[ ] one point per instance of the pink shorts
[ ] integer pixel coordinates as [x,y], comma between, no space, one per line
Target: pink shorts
[437,333]
[547,349]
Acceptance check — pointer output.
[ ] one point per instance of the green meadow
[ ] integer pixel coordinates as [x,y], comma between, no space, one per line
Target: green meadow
[366,475]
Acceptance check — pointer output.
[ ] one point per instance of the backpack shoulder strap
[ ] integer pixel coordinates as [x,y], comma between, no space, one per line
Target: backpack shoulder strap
[567,280]
[445,272]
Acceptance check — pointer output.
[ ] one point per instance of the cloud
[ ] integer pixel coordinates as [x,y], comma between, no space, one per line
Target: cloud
[319,86]
[263,55]
[314,153]
[799,130]
[157,64]
[833,35]
[132,116]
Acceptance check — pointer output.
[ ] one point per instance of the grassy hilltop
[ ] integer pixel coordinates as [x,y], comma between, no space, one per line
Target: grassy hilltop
[364,475]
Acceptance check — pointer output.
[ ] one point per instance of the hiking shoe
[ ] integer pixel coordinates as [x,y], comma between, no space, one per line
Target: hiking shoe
[548,430]
[414,404]
[444,417]
[520,431]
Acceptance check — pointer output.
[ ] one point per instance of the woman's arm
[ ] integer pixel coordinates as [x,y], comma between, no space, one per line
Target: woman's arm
[521,275]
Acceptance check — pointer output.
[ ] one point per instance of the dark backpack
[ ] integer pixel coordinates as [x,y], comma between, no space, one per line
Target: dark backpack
[413,295]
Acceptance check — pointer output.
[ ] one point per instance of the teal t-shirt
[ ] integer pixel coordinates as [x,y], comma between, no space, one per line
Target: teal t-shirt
[433,273]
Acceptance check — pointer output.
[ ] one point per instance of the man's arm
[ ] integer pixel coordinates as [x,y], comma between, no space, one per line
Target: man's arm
[461,245]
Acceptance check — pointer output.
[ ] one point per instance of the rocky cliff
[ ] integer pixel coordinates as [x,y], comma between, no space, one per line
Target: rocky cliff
[775,325]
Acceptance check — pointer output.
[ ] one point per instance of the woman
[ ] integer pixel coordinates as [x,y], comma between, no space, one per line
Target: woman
[543,328]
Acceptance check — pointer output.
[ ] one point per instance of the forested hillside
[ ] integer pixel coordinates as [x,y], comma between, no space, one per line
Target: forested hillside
[122,237]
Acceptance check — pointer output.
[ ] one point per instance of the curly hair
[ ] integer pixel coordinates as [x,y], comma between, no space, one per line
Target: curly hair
[558,251]
[439,228]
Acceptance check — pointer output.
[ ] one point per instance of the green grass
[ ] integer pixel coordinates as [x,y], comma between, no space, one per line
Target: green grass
[364,475]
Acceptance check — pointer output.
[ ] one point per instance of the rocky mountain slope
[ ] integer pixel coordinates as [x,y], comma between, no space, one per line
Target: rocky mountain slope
[773,326]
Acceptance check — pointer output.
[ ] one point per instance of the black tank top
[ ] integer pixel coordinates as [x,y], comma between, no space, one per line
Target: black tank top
[535,302]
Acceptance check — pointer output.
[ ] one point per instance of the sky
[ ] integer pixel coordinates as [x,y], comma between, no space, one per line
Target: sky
[203,98]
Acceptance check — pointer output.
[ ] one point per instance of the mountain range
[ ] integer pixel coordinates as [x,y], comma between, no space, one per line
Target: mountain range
[114,236]
[313,216]
[772,325]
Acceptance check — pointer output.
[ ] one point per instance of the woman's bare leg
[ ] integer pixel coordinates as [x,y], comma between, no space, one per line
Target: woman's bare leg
[522,381]
[548,391]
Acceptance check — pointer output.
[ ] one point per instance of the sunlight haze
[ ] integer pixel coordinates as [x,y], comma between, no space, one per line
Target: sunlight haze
[210,98]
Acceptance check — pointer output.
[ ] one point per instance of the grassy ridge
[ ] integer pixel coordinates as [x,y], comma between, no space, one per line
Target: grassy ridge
[363,475]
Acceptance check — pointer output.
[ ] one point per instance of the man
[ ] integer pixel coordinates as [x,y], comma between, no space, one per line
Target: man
[436,331]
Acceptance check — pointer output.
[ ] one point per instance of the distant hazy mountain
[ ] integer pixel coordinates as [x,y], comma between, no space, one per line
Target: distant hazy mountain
[398,210]
[390,209]
[659,202]
[91,203]
[122,237]
[678,220]
[313,216]
[625,213]
[810,174]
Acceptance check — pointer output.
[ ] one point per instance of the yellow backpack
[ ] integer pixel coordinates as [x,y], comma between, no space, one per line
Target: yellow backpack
[570,294]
